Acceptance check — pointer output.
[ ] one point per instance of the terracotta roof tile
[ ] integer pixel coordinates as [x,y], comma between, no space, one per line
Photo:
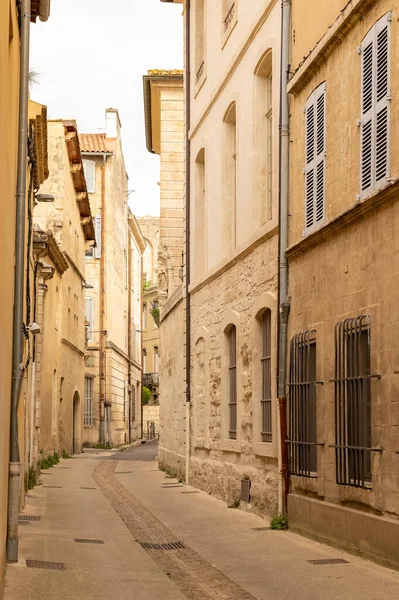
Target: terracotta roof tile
[93,142]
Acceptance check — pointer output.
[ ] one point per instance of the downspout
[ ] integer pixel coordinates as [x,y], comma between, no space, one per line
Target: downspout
[102,308]
[284,301]
[188,180]
[18,344]
[142,347]
[129,327]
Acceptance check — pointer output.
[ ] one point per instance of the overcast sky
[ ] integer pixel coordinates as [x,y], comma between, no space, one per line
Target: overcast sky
[92,55]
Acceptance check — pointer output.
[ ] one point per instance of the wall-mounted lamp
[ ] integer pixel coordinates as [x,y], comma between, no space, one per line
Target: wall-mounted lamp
[44,198]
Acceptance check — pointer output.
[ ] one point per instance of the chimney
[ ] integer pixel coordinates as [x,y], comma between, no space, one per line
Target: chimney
[113,123]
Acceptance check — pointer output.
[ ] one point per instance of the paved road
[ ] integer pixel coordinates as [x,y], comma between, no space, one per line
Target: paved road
[144,453]
[116,527]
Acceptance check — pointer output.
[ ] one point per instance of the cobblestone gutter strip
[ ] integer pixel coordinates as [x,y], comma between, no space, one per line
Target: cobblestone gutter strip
[193,575]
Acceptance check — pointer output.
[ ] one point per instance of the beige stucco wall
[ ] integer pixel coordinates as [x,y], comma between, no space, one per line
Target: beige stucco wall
[349,268]
[9,69]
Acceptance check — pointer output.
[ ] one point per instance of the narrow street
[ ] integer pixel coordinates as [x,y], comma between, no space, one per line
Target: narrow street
[117,527]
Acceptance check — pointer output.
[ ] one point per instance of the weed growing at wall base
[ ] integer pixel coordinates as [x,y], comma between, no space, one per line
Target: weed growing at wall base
[279,522]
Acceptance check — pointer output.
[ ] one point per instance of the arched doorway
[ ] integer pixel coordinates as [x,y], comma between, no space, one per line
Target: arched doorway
[76,446]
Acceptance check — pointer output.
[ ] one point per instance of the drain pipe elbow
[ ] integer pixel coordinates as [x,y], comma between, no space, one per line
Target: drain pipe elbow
[44,10]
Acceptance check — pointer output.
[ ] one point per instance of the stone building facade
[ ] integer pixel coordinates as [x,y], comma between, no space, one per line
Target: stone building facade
[150,228]
[113,274]
[344,274]
[234,106]
[63,230]
[164,115]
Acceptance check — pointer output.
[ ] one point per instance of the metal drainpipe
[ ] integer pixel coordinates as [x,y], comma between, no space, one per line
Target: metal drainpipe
[141,347]
[284,302]
[102,309]
[129,327]
[188,179]
[18,344]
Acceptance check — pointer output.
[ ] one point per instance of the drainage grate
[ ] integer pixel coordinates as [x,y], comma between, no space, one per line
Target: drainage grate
[54,487]
[123,472]
[194,492]
[88,488]
[260,528]
[328,561]
[42,564]
[84,541]
[168,546]
[28,518]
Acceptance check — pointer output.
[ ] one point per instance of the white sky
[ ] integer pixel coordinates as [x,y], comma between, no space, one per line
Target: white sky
[92,55]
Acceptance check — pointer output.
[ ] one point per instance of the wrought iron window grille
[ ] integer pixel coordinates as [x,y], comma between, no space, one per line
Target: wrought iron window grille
[353,448]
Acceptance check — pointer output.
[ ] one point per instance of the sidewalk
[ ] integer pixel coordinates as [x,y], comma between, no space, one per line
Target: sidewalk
[157,539]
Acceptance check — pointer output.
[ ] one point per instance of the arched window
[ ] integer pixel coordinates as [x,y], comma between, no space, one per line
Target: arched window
[230,177]
[264,125]
[200,214]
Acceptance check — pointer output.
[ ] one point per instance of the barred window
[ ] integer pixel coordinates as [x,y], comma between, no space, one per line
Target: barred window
[302,405]
[353,402]
[232,335]
[266,401]
[88,405]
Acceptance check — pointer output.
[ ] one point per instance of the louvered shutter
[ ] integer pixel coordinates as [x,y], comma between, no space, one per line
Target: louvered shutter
[89,310]
[315,112]
[375,107]
[98,237]
[382,102]
[89,167]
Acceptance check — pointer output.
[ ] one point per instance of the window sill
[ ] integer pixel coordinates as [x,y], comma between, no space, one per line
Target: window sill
[264,449]
[230,446]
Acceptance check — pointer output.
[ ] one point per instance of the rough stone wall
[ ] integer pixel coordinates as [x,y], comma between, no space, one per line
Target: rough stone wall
[172,399]
[217,464]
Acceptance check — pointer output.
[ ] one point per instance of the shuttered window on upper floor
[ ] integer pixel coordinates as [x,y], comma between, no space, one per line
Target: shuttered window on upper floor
[315,167]
[89,167]
[375,107]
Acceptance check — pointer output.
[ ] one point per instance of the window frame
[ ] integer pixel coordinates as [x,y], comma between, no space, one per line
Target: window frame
[353,447]
[88,418]
[233,395]
[90,178]
[90,328]
[266,374]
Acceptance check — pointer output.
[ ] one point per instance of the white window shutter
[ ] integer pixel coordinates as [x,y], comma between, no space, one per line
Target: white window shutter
[367,114]
[315,158]
[382,102]
[89,310]
[375,107]
[98,236]
[89,167]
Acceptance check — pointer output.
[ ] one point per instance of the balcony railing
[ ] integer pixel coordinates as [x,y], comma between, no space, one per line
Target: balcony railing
[151,380]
